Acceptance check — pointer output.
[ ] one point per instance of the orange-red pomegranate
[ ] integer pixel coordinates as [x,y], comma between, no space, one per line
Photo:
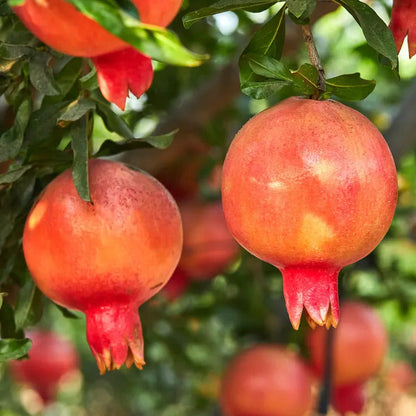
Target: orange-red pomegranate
[208,246]
[107,257]
[360,345]
[51,358]
[266,380]
[348,399]
[309,186]
[403,22]
[61,26]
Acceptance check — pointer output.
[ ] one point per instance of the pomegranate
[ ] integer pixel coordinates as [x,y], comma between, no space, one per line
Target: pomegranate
[51,358]
[266,380]
[61,26]
[400,377]
[107,257]
[309,186]
[346,399]
[360,344]
[403,22]
[208,246]
[176,286]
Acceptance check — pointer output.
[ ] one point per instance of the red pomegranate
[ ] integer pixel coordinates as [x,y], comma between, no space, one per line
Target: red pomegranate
[309,186]
[51,358]
[349,399]
[403,22]
[400,377]
[208,246]
[176,285]
[360,345]
[266,380]
[119,67]
[107,257]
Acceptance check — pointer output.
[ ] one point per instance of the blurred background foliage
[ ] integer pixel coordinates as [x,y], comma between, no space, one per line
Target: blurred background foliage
[189,340]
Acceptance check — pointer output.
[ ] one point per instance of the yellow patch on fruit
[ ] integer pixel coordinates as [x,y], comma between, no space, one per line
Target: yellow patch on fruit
[36,215]
[324,169]
[314,232]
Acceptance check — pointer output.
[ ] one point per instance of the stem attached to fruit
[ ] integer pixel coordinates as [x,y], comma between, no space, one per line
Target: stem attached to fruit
[314,58]
[326,391]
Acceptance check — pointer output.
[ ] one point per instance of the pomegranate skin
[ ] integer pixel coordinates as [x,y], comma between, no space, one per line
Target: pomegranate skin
[310,187]
[266,380]
[50,359]
[61,26]
[403,23]
[360,345]
[105,258]
[346,399]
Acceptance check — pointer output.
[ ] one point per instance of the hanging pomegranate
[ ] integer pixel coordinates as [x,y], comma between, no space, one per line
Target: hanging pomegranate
[107,257]
[310,187]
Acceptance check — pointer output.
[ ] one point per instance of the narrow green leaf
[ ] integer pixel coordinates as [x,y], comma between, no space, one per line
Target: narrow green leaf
[66,312]
[41,75]
[12,349]
[263,89]
[301,8]
[153,41]
[306,79]
[7,323]
[79,134]
[13,174]
[378,35]
[75,110]
[29,306]
[350,87]
[12,139]
[268,67]
[16,2]
[223,6]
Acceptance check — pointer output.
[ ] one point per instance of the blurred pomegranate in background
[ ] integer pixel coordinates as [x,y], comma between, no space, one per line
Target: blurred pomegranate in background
[400,377]
[348,399]
[51,358]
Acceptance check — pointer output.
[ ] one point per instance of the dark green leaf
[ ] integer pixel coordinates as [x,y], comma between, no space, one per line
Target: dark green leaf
[5,9]
[376,32]
[153,41]
[13,174]
[29,306]
[12,139]
[13,52]
[301,8]
[306,79]
[350,87]
[90,81]
[77,109]
[268,67]
[79,134]
[223,6]
[68,75]
[8,327]
[12,349]
[263,89]
[41,75]
[66,312]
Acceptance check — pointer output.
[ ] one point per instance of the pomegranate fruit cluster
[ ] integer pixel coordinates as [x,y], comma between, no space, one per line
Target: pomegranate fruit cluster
[119,67]
[107,257]
[309,186]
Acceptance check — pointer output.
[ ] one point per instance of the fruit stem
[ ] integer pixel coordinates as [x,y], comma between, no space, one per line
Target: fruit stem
[315,59]
[326,391]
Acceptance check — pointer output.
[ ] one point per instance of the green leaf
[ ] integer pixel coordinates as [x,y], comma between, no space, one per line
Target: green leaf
[268,67]
[301,8]
[75,110]
[79,134]
[13,174]
[13,3]
[12,349]
[223,6]
[263,89]
[41,75]
[306,79]
[29,306]
[66,312]
[11,140]
[378,35]
[12,52]
[350,87]
[7,323]
[153,41]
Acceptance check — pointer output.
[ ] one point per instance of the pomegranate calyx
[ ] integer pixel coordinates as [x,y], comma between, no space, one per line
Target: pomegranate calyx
[314,288]
[121,71]
[114,334]
[403,22]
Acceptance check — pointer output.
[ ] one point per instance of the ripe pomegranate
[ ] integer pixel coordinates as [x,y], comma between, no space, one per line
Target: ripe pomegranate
[51,358]
[309,186]
[208,246]
[400,377]
[61,26]
[348,399]
[403,22]
[360,344]
[176,285]
[266,380]
[107,257]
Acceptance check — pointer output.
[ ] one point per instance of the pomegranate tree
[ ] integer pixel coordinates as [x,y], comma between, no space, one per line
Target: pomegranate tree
[309,186]
[107,257]
[360,345]
[51,358]
[403,22]
[61,26]
[266,380]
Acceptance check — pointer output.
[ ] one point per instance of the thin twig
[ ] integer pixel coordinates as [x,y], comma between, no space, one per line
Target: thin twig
[314,58]
[325,395]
